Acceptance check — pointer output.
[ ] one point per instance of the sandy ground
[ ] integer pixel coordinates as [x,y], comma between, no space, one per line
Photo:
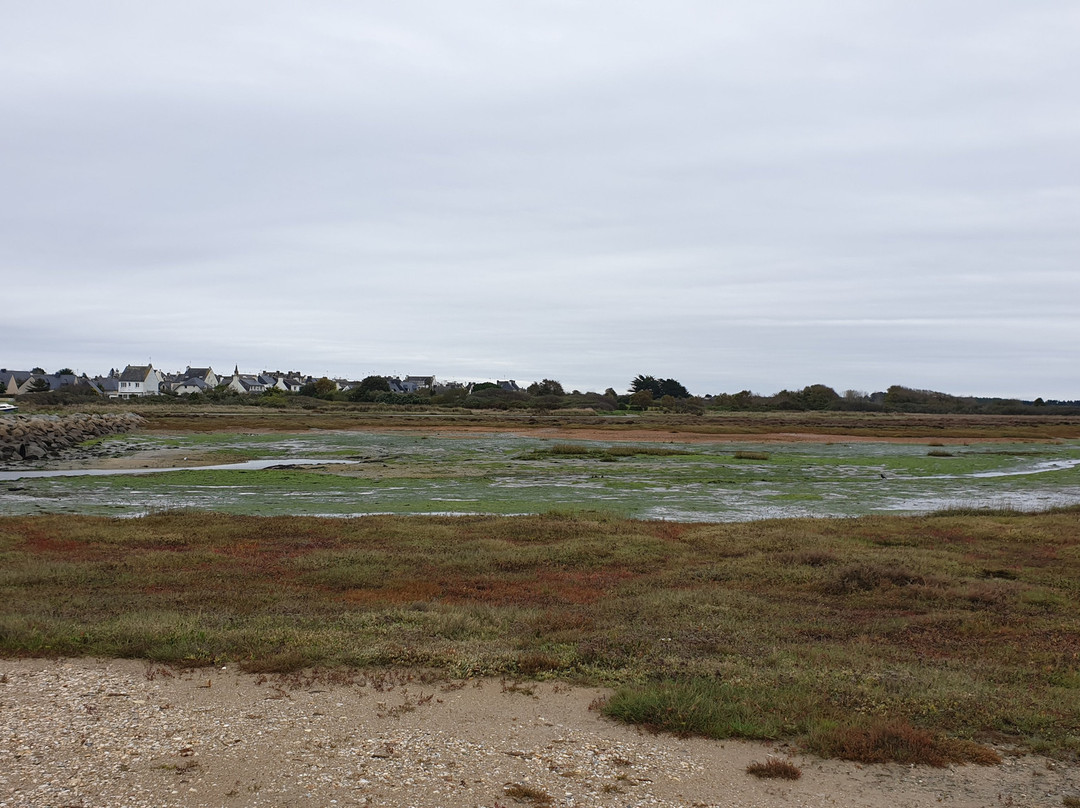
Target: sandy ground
[123,733]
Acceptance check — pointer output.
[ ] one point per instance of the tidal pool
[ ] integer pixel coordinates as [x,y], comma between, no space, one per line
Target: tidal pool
[358,473]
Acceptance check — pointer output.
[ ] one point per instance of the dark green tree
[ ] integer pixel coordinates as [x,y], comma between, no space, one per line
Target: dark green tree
[369,387]
[320,388]
[548,387]
[659,387]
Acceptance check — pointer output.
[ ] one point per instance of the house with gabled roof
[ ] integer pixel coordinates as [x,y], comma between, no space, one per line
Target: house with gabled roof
[20,382]
[246,383]
[207,375]
[185,387]
[139,380]
[290,383]
[413,384]
[12,380]
[194,380]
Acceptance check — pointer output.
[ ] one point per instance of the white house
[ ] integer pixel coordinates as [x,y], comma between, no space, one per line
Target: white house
[191,385]
[139,380]
[245,383]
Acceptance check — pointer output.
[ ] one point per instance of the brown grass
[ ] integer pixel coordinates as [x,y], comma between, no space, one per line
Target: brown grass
[899,742]
[774,769]
[519,792]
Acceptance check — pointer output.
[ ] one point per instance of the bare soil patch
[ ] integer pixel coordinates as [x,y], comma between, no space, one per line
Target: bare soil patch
[88,732]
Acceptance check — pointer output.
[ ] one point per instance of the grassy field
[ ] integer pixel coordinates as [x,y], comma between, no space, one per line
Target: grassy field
[903,638]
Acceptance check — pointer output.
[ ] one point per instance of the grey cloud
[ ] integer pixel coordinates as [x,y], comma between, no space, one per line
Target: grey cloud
[738,197]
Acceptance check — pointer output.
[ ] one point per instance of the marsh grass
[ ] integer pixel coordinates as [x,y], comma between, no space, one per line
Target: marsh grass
[745,455]
[897,741]
[956,625]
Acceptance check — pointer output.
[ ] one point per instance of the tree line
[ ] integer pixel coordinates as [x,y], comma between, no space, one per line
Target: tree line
[669,395]
[646,393]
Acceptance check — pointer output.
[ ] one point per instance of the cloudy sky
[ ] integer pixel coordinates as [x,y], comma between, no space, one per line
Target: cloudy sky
[737,195]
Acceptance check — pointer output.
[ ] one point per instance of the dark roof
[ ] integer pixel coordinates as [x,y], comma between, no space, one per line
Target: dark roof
[56,382]
[248,381]
[136,373]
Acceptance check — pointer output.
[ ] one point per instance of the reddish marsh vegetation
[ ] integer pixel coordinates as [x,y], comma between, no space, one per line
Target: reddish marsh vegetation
[869,634]
[646,426]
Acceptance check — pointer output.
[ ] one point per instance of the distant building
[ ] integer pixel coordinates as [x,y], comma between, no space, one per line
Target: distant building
[139,380]
[246,383]
[414,384]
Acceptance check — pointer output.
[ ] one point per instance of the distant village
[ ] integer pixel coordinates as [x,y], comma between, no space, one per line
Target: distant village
[646,392]
[136,381]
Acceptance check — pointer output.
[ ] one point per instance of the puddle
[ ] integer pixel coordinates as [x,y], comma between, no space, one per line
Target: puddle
[247,465]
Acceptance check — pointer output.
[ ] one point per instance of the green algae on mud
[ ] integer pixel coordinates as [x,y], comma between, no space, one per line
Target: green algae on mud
[354,473]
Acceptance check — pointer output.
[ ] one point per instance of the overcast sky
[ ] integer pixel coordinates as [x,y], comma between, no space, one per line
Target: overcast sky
[737,195]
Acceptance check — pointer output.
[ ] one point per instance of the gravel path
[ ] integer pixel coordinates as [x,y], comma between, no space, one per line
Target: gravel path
[121,733]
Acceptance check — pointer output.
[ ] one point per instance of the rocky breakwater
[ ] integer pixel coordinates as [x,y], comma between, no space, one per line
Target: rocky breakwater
[37,437]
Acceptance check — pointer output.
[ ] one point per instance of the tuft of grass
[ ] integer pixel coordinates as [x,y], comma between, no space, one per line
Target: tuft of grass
[939,453]
[704,707]
[774,768]
[897,741]
[520,792]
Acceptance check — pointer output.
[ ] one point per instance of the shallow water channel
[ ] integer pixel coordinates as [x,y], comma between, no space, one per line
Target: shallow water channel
[358,473]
